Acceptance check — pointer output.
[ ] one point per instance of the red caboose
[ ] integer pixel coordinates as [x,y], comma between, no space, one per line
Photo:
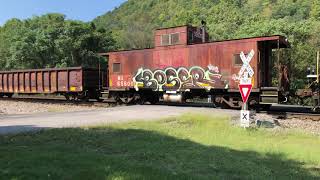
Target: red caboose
[183,64]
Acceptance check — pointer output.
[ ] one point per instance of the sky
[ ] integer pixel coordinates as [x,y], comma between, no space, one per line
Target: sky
[85,10]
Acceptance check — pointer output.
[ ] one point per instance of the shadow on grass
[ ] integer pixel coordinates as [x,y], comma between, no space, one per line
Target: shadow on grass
[108,153]
[18,129]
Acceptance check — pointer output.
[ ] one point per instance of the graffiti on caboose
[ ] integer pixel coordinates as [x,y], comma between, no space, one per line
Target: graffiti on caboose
[178,78]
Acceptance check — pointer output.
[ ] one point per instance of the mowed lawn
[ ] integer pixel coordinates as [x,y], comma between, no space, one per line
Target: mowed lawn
[192,146]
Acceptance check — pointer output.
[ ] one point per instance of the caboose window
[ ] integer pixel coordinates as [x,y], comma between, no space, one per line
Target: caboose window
[165,40]
[116,67]
[175,39]
[237,60]
[170,39]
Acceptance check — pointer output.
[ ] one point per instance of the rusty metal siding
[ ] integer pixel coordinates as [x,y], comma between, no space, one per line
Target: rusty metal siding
[46,81]
[217,55]
[175,57]
[62,80]
[50,80]
[54,81]
[33,81]
[21,82]
[221,56]
[182,35]
[27,84]
[130,63]
[75,80]
[5,83]
[10,82]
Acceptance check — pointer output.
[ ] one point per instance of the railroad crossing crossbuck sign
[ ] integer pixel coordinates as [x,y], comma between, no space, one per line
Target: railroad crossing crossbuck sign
[246,70]
[246,63]
[245,74]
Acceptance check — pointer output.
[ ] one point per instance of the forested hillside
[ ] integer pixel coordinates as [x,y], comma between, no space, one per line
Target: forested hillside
[51,41]
[299,20]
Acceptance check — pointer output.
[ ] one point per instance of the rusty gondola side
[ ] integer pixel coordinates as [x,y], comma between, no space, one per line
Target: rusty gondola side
[74,82]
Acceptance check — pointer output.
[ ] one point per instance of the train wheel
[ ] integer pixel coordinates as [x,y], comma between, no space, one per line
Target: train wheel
[153,100]
[224,105]
[83,99]
[74,97]
[9,95]
[82,96]
[140,101]
[118,100]
[253,103]
[99,100]
[67,96]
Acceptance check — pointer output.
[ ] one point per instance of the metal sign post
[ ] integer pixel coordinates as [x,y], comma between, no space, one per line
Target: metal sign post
[318,81]
[318,61]
[246,73]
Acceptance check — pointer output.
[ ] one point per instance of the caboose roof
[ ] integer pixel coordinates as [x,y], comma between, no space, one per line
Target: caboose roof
[273,40]
[188,25]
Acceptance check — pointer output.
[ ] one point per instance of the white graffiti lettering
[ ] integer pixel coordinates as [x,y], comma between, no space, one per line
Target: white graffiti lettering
[178,79]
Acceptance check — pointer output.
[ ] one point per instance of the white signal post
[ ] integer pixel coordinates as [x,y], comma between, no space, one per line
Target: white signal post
[246,73]
[245,118]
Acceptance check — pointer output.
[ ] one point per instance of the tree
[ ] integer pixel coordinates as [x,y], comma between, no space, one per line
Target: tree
[52,41]
[315,10]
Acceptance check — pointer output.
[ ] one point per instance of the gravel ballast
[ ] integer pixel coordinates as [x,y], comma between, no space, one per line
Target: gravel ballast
[307,126]
[20,107]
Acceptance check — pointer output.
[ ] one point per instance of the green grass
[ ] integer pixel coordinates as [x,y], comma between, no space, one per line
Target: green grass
[191,146]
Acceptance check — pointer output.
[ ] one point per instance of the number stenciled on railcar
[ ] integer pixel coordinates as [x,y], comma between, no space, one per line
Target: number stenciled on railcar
[124,81]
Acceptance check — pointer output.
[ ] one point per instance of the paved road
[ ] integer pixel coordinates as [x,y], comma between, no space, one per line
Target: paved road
[22,123]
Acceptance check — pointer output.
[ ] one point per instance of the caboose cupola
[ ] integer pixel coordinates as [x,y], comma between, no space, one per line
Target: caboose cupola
[181,35]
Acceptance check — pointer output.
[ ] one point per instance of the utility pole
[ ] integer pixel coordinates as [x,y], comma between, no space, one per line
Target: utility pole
[318,64]
[318,59]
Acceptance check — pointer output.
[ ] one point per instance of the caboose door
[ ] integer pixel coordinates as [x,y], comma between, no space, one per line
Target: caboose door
[265,55]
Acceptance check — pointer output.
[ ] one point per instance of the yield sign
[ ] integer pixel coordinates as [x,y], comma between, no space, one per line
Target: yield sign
[245,90]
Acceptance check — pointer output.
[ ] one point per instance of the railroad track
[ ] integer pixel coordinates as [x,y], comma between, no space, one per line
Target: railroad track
[292,115]
[62,100]
[302,116]
[281,112]
[57,100]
